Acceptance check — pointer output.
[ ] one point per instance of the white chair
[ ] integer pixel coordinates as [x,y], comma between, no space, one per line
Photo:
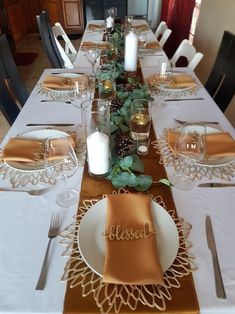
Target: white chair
[188,51]
[162,31]
[67,50]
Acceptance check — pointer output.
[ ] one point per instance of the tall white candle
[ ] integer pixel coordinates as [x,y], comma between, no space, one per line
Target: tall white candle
[131,48]
[98,153]
[109,22]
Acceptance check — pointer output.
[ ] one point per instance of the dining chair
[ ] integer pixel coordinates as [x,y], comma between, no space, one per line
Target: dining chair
[48,40]
[221,81]
[9,105]
[67,49]
[189,52]
[162,33]
[9,73]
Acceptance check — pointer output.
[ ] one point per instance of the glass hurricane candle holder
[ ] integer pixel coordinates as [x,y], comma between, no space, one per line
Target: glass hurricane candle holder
[96,119]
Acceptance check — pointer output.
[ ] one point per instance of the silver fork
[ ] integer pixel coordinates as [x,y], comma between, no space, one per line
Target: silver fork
[52,233]
[203,122]
[30,192]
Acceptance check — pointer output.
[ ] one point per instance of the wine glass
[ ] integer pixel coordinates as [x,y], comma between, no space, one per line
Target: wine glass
[61,163]
[92,56]
[129,20]
[142,40]
[189,148]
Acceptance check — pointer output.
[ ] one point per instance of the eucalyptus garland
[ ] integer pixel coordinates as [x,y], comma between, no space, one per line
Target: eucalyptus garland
[127,167]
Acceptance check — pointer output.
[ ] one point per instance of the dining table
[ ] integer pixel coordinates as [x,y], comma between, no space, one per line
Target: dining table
[25,219]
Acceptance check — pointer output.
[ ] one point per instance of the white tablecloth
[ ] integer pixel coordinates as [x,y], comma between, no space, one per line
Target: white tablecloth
[24,219]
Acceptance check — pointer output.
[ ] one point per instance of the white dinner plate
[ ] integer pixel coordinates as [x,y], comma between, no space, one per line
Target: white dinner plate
[213,161]
[68,75]
[174,89]
[92,246]
[37,135]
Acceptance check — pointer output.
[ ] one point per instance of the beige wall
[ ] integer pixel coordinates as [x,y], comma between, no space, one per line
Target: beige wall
[215,17]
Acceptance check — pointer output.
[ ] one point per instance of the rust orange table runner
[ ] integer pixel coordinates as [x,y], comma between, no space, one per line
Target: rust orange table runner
[183,299]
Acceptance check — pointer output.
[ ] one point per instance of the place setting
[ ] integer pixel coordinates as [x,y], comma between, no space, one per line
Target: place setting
[197,150]
[66,87]
[166,83]
[27,161]
[98,237]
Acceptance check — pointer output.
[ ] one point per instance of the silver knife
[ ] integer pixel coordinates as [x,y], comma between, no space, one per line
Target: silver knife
[50,124]
[216,185]
[220,291]
[182,99]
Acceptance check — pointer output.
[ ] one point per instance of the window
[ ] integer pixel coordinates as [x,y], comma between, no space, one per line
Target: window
[194,20]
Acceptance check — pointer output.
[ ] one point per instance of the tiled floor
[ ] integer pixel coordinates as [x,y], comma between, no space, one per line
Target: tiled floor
[30,73]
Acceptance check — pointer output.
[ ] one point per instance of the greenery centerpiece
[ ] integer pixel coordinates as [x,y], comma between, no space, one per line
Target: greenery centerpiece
[127,167]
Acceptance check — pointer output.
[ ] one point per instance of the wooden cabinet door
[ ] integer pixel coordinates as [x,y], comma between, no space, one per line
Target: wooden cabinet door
[54,9]
[33,8]
[68,12]
[73,16]
[17,14]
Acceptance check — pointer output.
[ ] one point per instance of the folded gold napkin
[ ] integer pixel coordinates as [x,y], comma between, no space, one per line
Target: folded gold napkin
[141,27]
[217,144]
[131,255]
[92,26]
[31,150]
[92,45]
[155,79]
[182,81]
[65,83]
[152,45]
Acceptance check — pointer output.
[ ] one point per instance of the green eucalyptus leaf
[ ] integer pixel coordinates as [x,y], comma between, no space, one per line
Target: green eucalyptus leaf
[126,162]
[137,164]
[166,182]
[113,127]
[132,181]
[123,128]
[144,182]
[120,180]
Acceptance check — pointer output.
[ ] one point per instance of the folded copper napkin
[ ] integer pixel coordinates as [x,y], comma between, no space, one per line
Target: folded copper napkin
[182,81]
[217,144]
[65,83]
[131,255]
[92,26]
[31,150]
[152,45]
[92,45]
[141,27]
[155,79]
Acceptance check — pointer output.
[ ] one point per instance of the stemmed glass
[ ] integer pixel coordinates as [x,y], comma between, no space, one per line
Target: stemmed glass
[61,163]
[142,40]
[190,148]
[92,56]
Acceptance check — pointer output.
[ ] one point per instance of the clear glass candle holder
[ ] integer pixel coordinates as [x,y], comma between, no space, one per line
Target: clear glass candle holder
[96,119]
[140,119]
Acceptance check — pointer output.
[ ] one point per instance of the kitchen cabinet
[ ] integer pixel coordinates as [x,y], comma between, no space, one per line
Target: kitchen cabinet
[68,12]
[16,14]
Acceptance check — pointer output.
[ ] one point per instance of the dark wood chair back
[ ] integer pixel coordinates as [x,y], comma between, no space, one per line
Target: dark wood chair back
[48,40]
[8,105]
[221,81]
[9,73]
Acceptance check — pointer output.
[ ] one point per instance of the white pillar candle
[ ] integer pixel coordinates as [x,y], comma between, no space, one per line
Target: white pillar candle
[109,22]
[131,48]
[98,153]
